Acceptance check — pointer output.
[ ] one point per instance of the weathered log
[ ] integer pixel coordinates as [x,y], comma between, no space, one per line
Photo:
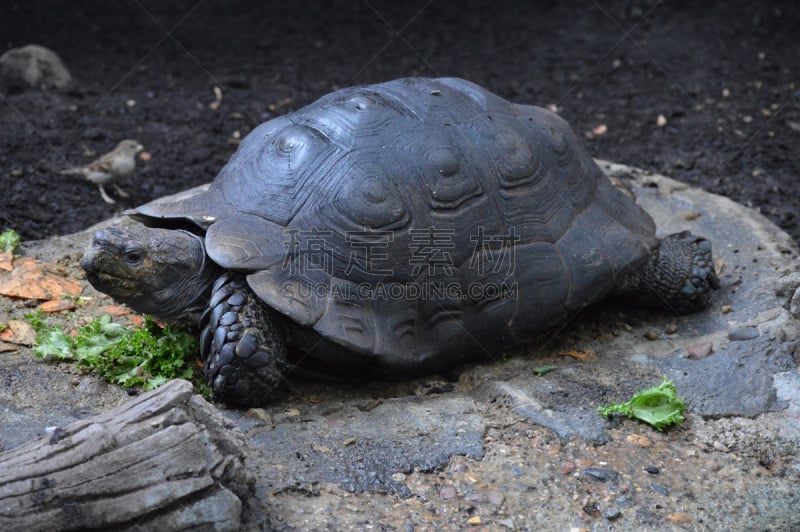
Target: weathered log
[167,460]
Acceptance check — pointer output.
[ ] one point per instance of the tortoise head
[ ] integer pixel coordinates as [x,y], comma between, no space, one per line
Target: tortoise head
[163,272]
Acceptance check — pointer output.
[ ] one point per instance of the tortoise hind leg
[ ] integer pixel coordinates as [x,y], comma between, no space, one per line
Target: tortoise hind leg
[679,276]
[242,345]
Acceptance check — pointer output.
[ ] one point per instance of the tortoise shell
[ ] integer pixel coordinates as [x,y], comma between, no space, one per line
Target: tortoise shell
[418,222]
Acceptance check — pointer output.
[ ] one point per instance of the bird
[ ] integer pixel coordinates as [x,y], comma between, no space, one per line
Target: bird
[110,168]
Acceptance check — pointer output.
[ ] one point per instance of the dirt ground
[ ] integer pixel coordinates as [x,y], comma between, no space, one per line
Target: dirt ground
[704,94]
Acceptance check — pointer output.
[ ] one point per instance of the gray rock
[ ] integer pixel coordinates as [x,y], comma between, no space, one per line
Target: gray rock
[34,66]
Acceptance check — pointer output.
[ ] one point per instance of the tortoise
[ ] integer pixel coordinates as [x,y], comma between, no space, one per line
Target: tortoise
[405,227]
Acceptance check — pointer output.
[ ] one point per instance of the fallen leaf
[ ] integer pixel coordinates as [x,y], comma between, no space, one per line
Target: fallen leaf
[18,332]
[541,370]
[578,355]
[137,320]
[117,310]
[6,261]
[37,280]
[56,305]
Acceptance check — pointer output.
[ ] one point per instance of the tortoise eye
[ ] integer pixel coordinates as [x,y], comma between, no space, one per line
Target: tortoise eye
[134,256]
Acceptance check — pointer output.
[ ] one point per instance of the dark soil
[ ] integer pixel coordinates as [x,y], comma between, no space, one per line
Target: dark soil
[724,77]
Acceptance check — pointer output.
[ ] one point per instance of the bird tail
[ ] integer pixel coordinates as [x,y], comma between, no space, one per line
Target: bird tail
[73,171]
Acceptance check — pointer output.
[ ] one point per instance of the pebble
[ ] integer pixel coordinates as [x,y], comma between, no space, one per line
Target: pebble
[583,462]
[743,333]
[659,488]
[601,475]
[679,518]
[495,497]
[653,470]
[447,492]
[624,502]
[518,471]
[612,514]
[638,440]
[651,335]
[508,523]
[700,351]
[474,520]
[567,468]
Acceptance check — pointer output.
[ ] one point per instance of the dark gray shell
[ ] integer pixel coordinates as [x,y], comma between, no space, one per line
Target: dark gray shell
[418,169]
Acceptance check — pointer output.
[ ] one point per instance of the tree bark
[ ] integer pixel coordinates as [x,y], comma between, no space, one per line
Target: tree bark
[166,460]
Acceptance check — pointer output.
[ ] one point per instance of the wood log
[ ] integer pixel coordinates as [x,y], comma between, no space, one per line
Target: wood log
[167,460]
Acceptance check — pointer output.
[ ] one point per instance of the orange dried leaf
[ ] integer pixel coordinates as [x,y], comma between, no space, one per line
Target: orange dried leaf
[136,320]
[56,305]
[577,355]
[18,332]
[117,310]
[38,281]
[6,261]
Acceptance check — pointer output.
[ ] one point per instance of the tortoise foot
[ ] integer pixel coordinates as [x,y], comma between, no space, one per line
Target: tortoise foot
[242,345]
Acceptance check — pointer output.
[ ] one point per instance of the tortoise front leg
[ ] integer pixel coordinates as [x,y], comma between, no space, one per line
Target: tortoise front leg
[242,345]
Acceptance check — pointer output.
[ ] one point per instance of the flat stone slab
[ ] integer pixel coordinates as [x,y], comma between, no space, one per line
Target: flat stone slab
[497,437]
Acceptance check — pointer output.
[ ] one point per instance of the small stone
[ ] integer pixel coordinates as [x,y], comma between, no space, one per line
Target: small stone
[567,468]
[583,462]
[638,440]
[518,471]
[508,523]
[399,477]
[293,412]
[679,518]
[472,479]
[651,335]
[474,520]
[601,475]
[348,442]
[612,514]
[694,215]
[653,470]
[726,309]
[475,497]
[700,351]
[35,66]
[624,502]
[743,333]
[659,488]
[495,497]
[671,329]
[447,492]
[257,413]
[661,121]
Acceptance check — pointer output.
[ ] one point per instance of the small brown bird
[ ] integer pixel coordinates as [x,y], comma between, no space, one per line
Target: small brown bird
[110,168]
